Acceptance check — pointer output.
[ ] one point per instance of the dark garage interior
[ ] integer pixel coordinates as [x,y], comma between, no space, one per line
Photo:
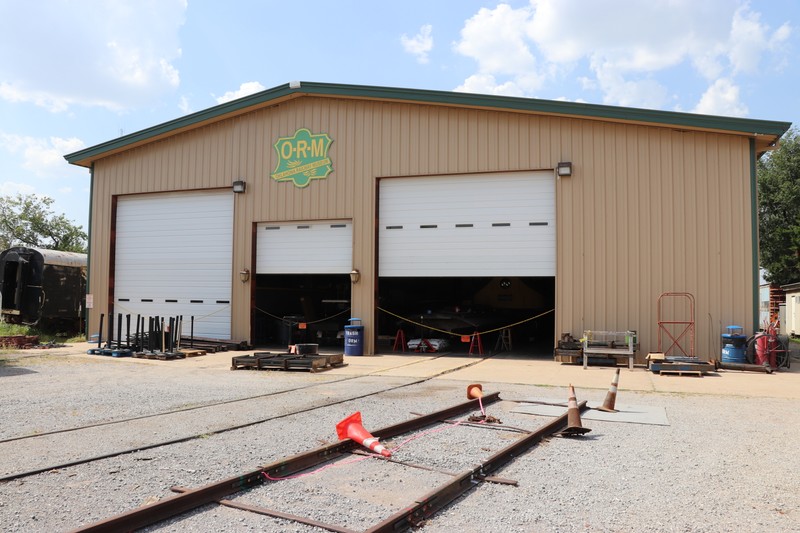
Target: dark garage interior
[462,306]
[314,308]
[300,308]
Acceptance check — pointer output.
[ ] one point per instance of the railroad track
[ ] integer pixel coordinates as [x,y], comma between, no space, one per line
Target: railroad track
[412,511]
[88,487]
[58,441]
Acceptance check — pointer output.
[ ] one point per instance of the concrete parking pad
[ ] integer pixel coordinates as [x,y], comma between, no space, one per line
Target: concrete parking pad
[519,369]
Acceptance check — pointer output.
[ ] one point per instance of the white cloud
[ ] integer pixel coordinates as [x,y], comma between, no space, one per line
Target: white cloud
[43,157]
[618,90]
[750,39]
[114,55]
[486,84]
[496,40]
[245,89]
[722,98]
[419,45]
[44,99]
[184,105]
[626,47]
[10,188]
[642,37]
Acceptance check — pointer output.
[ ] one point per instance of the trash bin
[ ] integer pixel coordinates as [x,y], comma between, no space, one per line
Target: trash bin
[354,337]
[733,345]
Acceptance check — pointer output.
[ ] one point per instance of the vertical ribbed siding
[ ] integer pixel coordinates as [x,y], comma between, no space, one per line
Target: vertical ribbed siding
[647,210]
[651,211]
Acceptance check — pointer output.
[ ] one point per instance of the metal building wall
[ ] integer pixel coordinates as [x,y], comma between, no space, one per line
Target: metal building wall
[648,209]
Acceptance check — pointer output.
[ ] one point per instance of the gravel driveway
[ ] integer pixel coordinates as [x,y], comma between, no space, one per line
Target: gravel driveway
[722,464]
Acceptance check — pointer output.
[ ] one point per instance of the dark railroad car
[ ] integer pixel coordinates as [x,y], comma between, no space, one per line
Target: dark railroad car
[43,287]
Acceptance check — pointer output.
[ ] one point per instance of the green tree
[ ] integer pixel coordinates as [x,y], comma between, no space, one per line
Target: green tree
[27,220]
[779,211]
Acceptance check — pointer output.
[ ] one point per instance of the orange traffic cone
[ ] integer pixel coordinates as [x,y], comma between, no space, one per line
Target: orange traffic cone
[611,397]
[351,428]
[574,427]
[474,391]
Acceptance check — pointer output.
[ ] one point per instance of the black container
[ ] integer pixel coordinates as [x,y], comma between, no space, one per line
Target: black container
[307,349]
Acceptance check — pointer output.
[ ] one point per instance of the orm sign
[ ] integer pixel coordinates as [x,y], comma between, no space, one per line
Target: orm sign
[302,157]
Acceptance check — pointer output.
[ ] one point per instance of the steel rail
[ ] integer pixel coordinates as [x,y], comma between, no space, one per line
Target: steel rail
[202,406]
[423,508]
[179,504]
[172,411]
[20,475]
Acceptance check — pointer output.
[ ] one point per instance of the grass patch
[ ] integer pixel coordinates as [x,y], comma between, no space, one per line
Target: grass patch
[45,336]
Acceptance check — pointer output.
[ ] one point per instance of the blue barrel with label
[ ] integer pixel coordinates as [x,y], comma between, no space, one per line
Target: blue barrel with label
[733,345]
[354,337]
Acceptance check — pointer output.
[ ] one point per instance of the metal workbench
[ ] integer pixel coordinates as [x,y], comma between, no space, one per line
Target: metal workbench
[609,344]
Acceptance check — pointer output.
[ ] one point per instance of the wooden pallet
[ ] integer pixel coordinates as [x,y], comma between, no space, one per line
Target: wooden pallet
[161,356]
[680,368]
[168,356]
[191,352]
[568,356]
[681,373]
[284,361]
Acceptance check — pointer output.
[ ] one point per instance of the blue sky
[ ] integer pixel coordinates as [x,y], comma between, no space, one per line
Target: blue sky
[76,73]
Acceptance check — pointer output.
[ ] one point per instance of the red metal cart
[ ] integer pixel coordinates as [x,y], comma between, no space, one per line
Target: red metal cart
[678,329]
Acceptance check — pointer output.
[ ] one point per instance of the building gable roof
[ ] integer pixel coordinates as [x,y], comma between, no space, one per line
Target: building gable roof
[765,132]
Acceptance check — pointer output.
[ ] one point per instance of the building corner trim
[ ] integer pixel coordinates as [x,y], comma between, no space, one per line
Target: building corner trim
[754,233]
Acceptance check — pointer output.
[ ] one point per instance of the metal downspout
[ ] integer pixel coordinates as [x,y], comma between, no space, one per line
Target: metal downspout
[89,251]
[754,232]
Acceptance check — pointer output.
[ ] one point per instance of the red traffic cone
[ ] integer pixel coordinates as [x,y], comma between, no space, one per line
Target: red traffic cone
[574,427]
[474,391]
[611,397]
[351,428]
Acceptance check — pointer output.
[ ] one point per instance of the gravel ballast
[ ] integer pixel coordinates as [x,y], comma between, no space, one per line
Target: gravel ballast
[723,463]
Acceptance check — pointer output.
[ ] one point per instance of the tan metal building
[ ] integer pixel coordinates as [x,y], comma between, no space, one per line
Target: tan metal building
[427,209]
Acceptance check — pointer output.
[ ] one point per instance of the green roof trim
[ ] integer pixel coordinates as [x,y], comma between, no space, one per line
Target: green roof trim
[530,105]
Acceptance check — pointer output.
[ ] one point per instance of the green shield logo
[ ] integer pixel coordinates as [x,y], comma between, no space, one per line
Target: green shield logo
[302,157]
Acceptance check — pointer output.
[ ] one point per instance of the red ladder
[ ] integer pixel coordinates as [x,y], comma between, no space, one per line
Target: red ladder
[476,343]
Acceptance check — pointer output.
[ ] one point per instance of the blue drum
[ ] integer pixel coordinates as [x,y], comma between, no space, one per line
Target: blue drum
[734,343]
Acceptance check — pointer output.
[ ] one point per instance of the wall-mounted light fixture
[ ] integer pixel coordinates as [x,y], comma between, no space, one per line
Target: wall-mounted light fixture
[355,275]
[564,168]
[239,186]
[244,275]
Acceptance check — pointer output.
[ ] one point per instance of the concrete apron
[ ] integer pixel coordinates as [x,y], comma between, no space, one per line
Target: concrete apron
[514,369]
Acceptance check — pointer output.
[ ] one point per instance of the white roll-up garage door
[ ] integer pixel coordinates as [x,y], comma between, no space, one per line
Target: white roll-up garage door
[498,224]
[304,248]
[174,257]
